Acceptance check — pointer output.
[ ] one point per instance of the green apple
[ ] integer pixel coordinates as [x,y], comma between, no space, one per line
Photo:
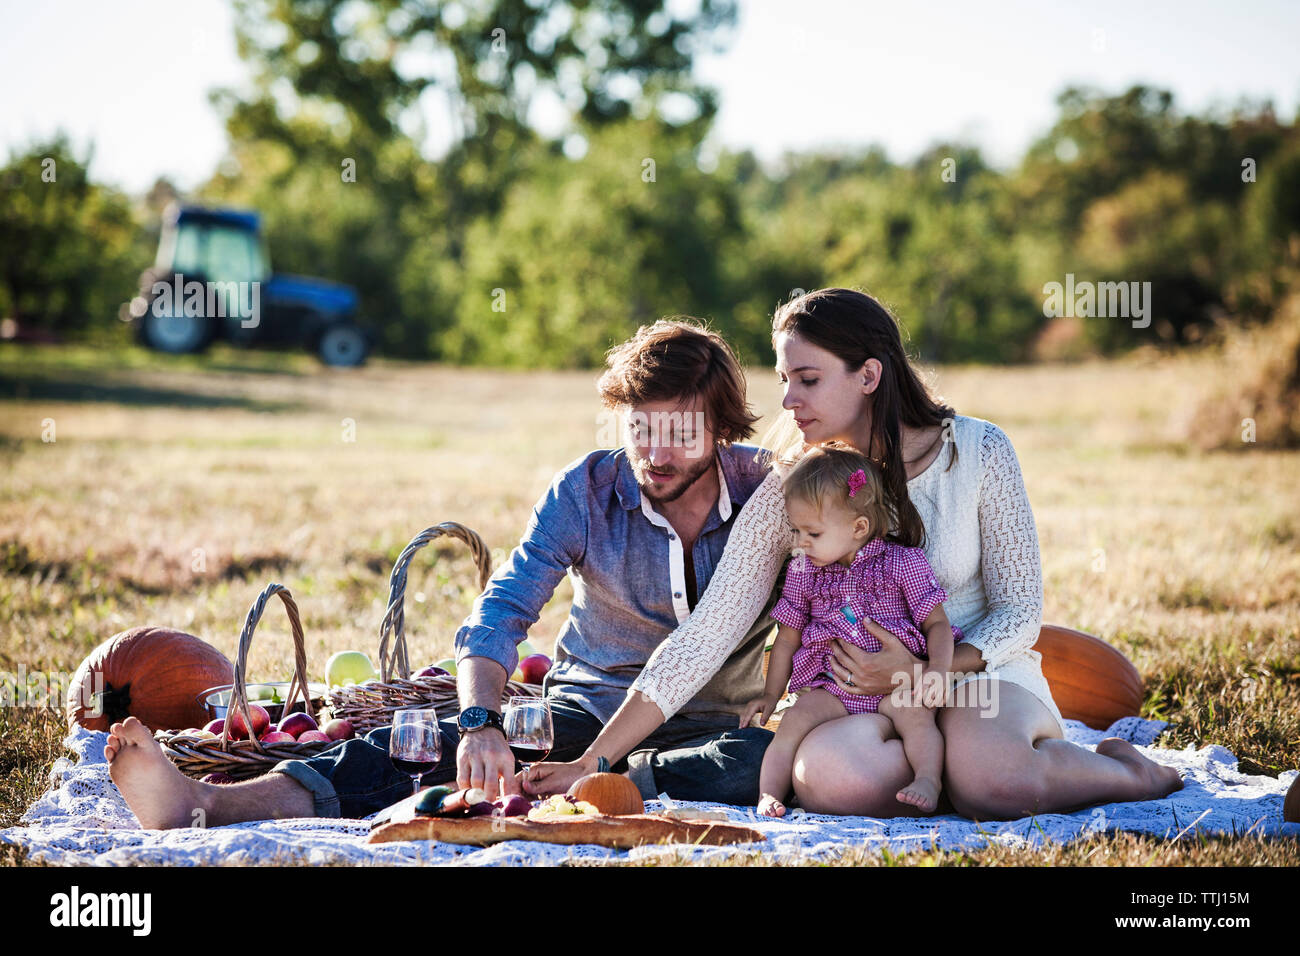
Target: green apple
[448,664]
[348,667]
[525,650]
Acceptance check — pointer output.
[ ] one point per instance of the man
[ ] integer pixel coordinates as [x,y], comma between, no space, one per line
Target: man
[639,530]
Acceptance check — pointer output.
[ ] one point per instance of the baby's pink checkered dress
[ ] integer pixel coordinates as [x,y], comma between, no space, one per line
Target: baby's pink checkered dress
[887,583]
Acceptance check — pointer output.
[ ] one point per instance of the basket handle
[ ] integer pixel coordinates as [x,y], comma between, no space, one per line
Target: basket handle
[297,686]
[397,663]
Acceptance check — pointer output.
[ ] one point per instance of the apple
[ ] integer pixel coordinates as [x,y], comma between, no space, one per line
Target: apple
[295,725]
[216,726]
[340,728]
[313,736]
[432,670]
[276,737]
[448,664]
[261,722]
[534,668]
[348,667]
[513,806]
[525,649]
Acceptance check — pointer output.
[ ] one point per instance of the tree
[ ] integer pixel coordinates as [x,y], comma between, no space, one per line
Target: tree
[70,250]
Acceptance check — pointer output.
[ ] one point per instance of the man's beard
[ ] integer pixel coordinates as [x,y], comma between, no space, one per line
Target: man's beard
[692,476]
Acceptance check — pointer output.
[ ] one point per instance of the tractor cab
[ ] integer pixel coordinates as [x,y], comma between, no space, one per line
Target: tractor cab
[212,279]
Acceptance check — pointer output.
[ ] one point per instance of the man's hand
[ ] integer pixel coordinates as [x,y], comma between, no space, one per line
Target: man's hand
[544,778]
[763,706]
[482,759]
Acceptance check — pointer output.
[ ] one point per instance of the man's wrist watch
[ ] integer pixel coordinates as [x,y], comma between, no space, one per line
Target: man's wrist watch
[476,718]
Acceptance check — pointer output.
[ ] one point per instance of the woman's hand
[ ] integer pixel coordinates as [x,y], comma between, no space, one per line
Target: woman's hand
[856,671]
[545,778]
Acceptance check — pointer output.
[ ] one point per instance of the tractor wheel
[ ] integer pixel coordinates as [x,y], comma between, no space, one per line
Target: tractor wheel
[343,345]
[174,331]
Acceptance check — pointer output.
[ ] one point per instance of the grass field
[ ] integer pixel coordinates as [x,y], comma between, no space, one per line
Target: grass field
[253,467]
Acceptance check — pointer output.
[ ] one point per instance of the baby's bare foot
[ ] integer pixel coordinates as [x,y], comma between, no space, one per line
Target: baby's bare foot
[1151,780]
[770,806]
[922,793]
[160,796]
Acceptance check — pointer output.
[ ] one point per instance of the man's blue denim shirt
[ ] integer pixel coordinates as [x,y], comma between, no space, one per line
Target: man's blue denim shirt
[591,524]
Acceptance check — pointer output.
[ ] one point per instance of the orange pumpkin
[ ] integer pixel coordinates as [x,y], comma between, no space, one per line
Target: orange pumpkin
[1291,805]
[153,673]
[610,793]
[1090,680]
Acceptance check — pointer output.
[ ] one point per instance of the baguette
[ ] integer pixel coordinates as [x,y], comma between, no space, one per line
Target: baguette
[618,832]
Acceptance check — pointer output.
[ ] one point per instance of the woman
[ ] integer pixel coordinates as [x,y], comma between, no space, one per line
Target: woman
[846,376]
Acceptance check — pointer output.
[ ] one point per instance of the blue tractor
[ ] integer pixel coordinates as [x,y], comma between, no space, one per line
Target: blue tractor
[212,280]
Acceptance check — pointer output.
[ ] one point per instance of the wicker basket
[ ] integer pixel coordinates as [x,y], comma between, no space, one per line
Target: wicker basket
[372,704]
[248,758]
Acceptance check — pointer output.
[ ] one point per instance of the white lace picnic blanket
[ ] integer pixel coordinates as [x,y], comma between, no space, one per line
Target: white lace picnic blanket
[83,820]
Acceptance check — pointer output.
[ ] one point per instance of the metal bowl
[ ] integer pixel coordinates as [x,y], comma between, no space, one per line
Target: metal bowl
[216,700]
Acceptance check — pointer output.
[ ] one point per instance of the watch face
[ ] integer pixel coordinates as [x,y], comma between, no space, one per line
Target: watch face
[472,718]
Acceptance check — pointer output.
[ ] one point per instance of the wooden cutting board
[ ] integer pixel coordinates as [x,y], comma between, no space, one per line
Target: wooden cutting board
[622,832]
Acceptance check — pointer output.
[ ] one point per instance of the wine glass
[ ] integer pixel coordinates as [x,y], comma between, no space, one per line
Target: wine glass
[415,746]
[527,725]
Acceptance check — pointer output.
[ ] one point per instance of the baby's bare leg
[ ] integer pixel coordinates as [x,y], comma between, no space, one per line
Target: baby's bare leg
[813,708]
[923,745]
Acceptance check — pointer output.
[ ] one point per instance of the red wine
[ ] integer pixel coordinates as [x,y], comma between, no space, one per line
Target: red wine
[413,767]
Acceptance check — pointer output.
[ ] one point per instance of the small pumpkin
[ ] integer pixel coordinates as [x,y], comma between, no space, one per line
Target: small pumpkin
[152,673]
[610,793]
[1090,680]
[1291,805]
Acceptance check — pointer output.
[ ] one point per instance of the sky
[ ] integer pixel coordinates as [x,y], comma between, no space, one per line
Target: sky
[131,77]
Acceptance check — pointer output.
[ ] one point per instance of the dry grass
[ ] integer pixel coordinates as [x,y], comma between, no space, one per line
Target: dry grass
[176,488]
[1256,398]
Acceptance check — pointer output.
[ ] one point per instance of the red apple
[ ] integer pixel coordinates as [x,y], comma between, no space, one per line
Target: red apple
[295,725]
[216,726]
[513,806]
[276,737]
[261,722]
[432,670]
[534,668]
[340,728]
[313,736]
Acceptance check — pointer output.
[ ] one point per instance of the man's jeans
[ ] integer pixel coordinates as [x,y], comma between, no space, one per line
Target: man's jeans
[687,758]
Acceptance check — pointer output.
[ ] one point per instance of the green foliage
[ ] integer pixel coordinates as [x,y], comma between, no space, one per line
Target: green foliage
[586,250]
[509,250]
[70,249]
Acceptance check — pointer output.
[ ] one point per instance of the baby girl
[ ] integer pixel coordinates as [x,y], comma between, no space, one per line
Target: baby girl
[849,572]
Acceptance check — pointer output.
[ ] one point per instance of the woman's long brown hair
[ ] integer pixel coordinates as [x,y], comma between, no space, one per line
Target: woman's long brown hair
[854,327]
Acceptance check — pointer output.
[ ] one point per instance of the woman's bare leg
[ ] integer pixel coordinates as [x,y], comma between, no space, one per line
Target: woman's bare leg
[1010,761]
[813,708]
[854,766]
[163,798]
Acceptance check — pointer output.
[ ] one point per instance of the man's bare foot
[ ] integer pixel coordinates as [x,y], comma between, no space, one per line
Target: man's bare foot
[160,796]
[1151,780]
[922,793]
[770,806]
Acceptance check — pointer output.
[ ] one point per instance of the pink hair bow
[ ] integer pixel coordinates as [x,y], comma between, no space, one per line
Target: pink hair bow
[856,481]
